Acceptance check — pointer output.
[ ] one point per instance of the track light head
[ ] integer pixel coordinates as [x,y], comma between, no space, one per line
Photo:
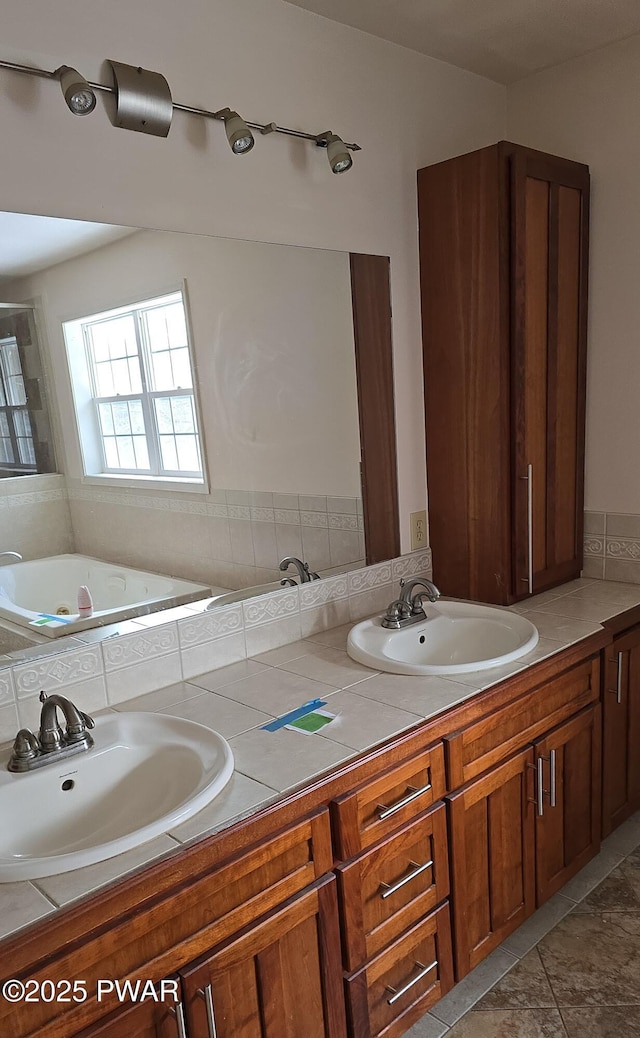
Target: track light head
[239,135]
[78,95]
[337,152]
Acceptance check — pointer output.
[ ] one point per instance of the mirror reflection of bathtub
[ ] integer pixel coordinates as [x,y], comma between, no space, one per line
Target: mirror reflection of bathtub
[42,594]
[292,362]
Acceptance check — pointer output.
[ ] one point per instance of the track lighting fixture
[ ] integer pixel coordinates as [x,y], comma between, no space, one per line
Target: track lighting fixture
[143,99]
[77,92]
[143,102]
[239,135]
[337,152]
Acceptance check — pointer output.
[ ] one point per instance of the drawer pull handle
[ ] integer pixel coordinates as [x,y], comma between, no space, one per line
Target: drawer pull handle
[207,994]
[414,793]
[395,995]
[552,780]
[538,800]
[178,1012]
[415,871]
[617,691]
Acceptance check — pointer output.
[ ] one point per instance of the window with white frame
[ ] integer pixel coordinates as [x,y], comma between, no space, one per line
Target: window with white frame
[134,392]
[17,450]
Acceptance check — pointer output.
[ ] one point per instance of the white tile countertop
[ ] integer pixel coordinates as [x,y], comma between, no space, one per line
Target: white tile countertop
[238,700]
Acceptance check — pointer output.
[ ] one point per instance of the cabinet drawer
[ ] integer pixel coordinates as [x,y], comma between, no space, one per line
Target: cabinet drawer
[386,997]
[389,887]
[379,807]
[506,730]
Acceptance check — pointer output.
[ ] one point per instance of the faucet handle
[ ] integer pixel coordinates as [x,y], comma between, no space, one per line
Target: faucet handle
[87,719]
[397,609]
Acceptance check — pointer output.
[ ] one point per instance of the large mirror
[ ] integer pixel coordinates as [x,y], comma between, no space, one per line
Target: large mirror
[258,447]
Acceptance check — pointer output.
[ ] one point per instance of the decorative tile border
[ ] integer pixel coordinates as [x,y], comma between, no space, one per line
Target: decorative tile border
[35,497]
[623,549]
[7,692]
[418,562]
[370,577]
[273,606]
[214,623]
[264,622]
[54,672]
[594,546]
[134,648]
[226,504]
[612,546]
[319,592]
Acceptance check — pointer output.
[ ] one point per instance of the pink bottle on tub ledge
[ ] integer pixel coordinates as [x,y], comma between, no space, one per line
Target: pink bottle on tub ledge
[85,602]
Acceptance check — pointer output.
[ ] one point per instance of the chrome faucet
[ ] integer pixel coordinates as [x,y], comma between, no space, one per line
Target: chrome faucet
[11,555]
[408,608]
[303,570]
[430,591]
[52,743]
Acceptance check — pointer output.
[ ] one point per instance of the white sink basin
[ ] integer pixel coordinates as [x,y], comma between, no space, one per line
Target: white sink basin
[456,638]
[145,773]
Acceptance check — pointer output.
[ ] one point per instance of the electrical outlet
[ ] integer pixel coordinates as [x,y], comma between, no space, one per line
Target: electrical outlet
[418,530]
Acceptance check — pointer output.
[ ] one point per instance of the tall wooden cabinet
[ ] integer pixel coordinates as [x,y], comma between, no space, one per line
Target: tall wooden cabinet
[503,257]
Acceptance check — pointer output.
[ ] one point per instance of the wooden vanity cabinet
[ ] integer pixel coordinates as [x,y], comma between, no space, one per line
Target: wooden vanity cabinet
[331,914]
[523,827]
[503,259]
[621,730]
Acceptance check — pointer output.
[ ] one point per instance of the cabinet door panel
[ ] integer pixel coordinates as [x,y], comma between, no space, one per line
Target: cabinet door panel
[568,834]
[564,404]
[550,213]
[621,730]
[492,858]
[280,978]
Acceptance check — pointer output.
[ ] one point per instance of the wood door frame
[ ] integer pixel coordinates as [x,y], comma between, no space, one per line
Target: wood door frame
[371,302]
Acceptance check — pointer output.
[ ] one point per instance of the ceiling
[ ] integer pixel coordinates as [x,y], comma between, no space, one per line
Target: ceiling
[30,243]
[504,40]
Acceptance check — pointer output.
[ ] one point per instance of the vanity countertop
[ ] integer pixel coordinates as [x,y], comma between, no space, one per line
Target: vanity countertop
[238,700]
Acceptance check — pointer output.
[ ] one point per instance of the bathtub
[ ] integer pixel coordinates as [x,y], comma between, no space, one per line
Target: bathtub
[43,594]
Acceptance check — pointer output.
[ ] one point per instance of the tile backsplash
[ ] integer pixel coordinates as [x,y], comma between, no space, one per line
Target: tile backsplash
[227,538]
[104,667]
[612,546]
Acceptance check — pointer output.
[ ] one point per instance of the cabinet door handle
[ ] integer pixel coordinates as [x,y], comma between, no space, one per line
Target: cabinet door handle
[529,479]
[415,871]
[538,800]
[617,691]
[395,995]
[552,778]
[178,1012]
[207,994]
[414,793]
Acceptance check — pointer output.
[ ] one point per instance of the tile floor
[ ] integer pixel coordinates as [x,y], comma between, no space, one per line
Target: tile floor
[571,971]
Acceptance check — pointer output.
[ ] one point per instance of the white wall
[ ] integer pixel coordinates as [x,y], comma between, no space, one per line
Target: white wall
[272,332]
[589,109]
[270,61]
